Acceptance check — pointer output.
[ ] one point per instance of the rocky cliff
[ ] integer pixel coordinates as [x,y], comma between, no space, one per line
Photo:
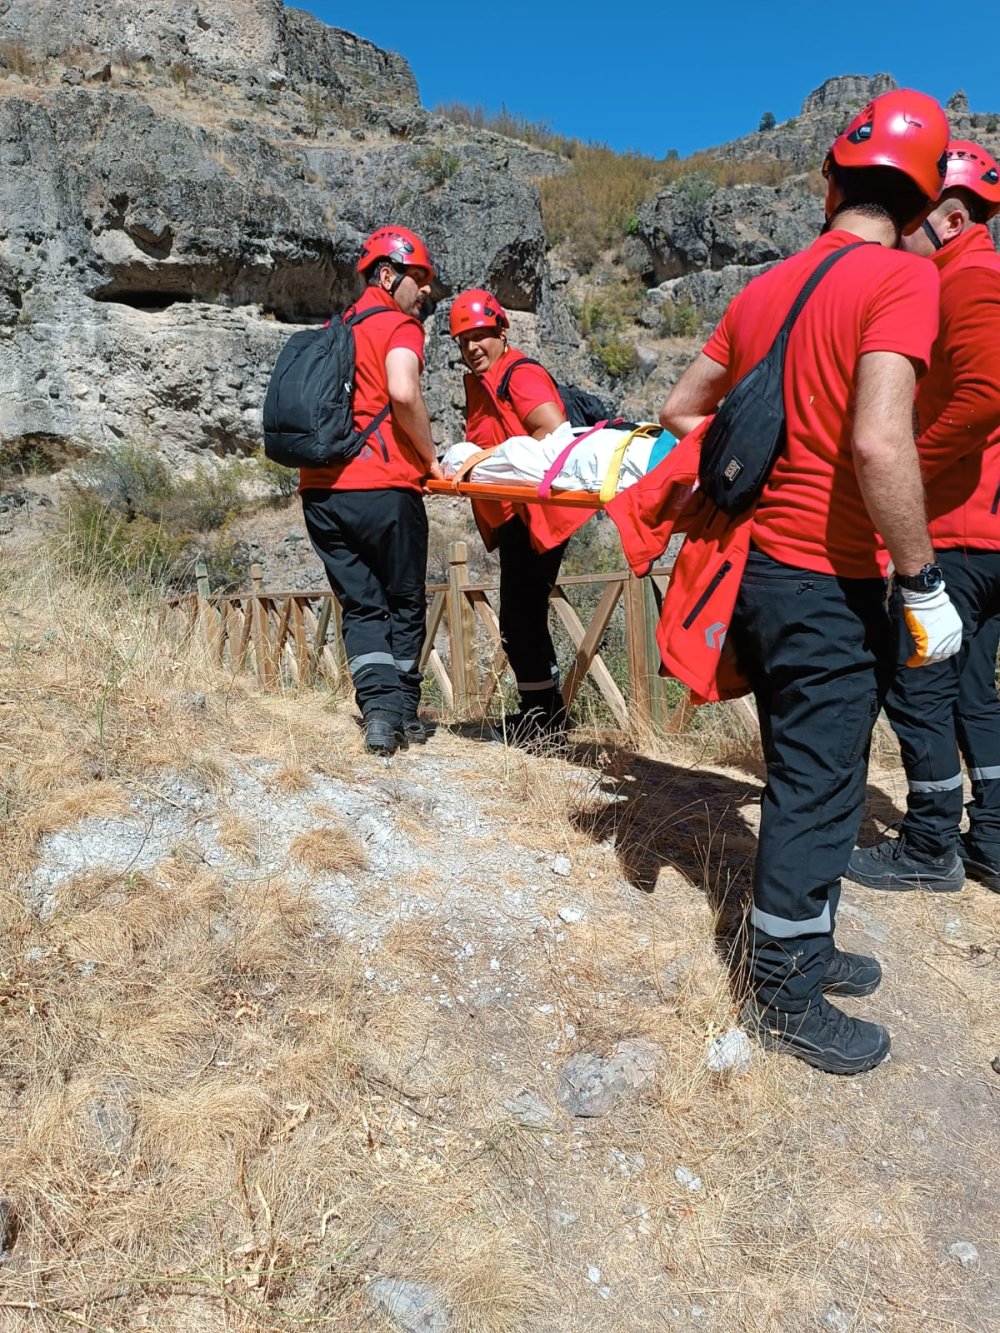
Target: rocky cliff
[182,181]
[179,182]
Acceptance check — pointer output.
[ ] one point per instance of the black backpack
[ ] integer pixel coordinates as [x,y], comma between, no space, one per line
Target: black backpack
[309,405]
[747,434]
[582,408]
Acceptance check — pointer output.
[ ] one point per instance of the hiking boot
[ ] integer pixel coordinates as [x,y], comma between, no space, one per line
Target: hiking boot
[851,974]
[382,734]
[892,866]
[822,1036]
[415,730]
[977,864]
[531,728]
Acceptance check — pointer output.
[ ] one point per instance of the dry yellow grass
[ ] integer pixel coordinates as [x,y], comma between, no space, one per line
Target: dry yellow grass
[219,1113]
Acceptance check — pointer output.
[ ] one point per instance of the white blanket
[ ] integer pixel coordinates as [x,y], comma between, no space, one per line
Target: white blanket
[524,461]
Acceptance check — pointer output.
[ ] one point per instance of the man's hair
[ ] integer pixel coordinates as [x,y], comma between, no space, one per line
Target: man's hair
[977,209]
[879,192]
[373,277]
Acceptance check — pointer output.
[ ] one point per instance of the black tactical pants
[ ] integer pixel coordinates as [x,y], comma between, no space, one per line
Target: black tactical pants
[937,711]
[526,579]
[373,545]
[818,652]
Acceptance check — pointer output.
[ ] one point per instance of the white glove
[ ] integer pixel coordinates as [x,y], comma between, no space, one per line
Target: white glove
[935,625]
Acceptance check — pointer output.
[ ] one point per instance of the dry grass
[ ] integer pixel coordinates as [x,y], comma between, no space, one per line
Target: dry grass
[219,1113]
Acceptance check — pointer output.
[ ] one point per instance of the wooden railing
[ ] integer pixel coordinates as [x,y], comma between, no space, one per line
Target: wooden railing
[294,638]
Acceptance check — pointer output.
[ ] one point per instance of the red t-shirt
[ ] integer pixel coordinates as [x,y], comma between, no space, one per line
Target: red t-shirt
[811,513]
[958,403]
[388,460]
[489,421]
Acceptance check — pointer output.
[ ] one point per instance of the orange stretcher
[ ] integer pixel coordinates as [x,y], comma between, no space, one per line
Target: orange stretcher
[481,490]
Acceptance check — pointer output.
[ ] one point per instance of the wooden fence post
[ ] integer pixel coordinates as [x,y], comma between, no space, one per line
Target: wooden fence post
[256,578]
[201,576]
[462,632]
[637,648]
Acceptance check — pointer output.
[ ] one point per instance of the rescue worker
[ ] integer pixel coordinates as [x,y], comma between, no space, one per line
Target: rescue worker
[953,706]
[530,406]
[810,631]
[365,517]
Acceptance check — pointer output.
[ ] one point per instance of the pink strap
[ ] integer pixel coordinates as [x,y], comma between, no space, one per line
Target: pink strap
[545,486]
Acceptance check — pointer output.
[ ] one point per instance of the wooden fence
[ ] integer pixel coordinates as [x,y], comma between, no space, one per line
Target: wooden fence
[294,638]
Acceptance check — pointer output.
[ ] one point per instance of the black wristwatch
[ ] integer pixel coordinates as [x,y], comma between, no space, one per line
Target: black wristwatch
[924,580]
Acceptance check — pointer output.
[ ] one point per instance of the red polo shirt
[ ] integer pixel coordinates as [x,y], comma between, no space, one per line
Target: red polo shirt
[958,403]
[388,460]
[811,513]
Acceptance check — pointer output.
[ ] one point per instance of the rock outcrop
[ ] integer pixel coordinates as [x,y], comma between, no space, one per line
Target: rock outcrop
[162,228]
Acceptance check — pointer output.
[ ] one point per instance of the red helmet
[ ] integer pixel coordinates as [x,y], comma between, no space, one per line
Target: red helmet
[398,245]
[476,309]
[974,170]
[902,129]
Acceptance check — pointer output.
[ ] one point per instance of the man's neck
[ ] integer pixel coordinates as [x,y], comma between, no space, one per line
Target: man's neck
[881,230]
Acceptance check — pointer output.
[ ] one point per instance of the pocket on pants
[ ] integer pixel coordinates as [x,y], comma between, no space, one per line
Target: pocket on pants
[858,722]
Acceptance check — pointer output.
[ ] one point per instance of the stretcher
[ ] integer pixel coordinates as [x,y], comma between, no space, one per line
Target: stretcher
[579,468]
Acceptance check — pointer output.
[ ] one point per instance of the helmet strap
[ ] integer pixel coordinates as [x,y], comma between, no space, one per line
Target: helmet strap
[932,235]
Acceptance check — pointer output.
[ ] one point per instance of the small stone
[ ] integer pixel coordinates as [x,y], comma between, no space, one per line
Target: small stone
[10,1227]
[965,1252]
[995,1064]
[563,1218]
[561,865]
[529,1110]
[414,1307]
[687,1178]
[834,1318]
[72,76]
[572,916]
[591,1084]
[593,1275]
[730,1054]
[99,74]
[195,702]
[36,955]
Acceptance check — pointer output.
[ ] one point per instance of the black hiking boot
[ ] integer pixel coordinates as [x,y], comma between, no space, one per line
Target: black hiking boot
[890,865]
[415,730]
[851,974]
[983,868]
[382,734]
[822,1036]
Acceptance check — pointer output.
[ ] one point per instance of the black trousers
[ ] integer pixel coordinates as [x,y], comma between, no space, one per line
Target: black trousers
[373,545]
[951,707]
[818,651]
[527,577]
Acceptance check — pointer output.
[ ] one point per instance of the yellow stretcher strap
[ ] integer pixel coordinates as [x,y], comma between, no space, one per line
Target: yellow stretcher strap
[609,485]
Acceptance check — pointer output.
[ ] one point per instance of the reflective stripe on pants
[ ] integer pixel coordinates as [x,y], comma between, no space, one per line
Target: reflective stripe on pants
[817,651]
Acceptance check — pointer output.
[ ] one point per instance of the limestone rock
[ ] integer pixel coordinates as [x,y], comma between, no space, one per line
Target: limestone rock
[848,92]
[414,1307]
[591,1084]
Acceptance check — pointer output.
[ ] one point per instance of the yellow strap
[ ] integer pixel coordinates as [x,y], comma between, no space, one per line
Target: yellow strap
[609,485]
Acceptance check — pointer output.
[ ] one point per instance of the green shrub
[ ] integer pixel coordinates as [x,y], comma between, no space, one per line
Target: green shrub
[696,188]
[438,165]
[616,355]
[991,125]
[130,517]
[767,121]
[679,318]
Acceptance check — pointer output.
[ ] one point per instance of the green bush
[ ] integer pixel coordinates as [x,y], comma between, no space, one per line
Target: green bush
[129,517]
[696,188]
[438,165]
[679,318]
[616,355]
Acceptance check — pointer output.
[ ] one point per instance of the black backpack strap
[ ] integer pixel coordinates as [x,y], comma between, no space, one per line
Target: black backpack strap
[503,388]
[813,282]
[349,322]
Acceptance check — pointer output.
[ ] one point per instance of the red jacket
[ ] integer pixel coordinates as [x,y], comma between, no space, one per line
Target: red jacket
[958,402]
[701,594]
[490,421]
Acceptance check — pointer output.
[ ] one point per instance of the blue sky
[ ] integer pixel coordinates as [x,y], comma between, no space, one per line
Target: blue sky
[661,76]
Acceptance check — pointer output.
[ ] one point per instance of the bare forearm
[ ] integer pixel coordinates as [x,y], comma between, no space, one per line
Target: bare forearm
[889,477]
[412,415]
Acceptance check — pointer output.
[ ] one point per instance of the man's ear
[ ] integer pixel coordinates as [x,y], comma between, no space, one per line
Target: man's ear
[954,222]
